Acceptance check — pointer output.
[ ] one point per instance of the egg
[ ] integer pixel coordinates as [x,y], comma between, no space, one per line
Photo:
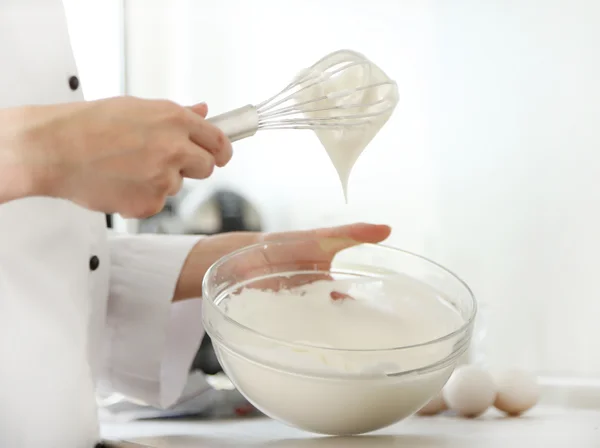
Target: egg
[470,391]
[518,391]
[434,406]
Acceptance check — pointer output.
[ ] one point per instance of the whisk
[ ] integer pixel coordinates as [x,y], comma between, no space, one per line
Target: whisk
[295,108]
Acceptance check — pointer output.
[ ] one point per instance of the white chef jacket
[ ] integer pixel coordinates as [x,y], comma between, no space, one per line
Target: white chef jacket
[79,308]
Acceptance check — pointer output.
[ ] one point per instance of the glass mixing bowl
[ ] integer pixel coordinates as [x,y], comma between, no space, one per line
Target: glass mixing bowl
[352,391]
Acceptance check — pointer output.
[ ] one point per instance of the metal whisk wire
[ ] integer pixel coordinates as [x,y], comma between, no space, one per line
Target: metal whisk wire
[288,108]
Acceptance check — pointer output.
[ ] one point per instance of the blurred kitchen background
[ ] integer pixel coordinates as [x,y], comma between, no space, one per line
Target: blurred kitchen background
[490,165]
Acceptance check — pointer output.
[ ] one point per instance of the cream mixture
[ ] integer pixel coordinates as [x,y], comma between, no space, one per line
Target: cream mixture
[345,145]
[380,314]
[323,382]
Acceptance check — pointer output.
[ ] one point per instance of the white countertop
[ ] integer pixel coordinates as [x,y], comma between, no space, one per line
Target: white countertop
[542,427]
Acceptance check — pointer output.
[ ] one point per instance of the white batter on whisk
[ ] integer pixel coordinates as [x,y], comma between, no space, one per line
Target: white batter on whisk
[345,145]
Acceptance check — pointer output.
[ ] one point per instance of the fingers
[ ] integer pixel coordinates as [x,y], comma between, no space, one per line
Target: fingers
[143,201]
[359,232]
[197,163]
[200,109]
[209,137]
[310,250]
[335,295]
[175,183]
[319,246]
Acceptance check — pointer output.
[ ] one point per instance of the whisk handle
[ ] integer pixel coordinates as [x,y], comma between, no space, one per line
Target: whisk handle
[238,123]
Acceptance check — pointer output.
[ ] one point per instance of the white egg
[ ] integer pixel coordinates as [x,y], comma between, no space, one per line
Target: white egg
[470,391]
[434,406]
[518,391]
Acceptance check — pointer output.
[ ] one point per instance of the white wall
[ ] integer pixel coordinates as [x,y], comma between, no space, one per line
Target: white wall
[516,113]
[490,164]
[97,31]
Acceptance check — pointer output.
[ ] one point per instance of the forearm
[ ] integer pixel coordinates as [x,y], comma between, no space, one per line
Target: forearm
[29,164]
[15,182]
[203,255]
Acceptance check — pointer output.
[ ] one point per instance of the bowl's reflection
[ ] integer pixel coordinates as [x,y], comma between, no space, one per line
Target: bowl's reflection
[368,441]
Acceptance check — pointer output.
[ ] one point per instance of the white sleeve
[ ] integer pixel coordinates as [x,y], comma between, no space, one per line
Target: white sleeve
[151,341]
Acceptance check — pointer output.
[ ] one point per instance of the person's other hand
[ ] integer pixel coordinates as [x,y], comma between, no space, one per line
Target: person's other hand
[306,249]
[311,250]
[121,155]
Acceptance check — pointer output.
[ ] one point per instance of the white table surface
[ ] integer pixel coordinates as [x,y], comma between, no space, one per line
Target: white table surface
[543,427]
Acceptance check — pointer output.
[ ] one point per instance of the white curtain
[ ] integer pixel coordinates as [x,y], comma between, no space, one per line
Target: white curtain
[490,165]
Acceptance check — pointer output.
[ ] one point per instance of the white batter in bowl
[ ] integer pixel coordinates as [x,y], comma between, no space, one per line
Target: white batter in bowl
[360,359]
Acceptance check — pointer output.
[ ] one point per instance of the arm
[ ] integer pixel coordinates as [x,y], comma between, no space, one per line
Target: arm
[119,155]
[20,176]
[154,332]
[203,256]
[155,329]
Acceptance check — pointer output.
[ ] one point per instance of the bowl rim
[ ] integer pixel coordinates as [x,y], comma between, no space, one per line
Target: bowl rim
[466,325]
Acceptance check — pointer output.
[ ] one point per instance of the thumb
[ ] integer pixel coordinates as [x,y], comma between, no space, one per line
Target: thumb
[200,109]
